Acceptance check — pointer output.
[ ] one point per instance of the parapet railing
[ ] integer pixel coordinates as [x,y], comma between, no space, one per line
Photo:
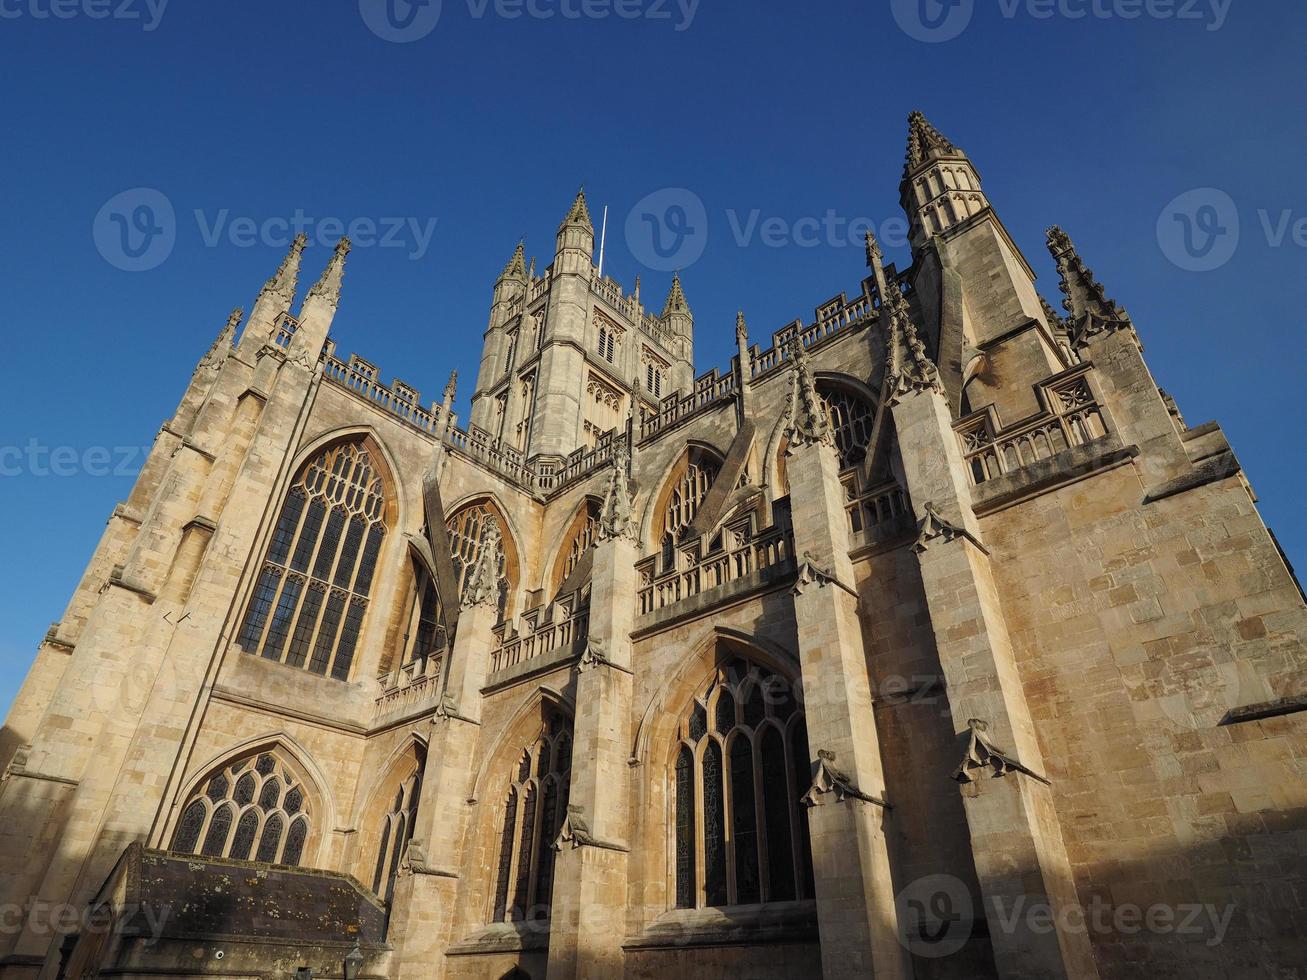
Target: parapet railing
[874,512]
[1072,416]
[770,549]
[709,389]
[563,623]
[415,683]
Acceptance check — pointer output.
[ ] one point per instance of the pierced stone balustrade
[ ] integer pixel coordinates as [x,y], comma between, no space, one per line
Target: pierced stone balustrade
[1072,416]
[415,684]
[878,512]
[741,557]
[561,626]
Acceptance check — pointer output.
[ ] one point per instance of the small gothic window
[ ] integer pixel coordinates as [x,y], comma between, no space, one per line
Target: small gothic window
[851,420]
[535,803]
[691,487]
[223,819]
[741,835]
[583,532]
[312,592]
[468,530]
[396,831]
[425,636]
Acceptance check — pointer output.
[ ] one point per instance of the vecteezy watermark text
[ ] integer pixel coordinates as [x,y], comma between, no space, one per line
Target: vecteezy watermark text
[148,12]
[137,230]
[406,21]
[937,21]
[39,460]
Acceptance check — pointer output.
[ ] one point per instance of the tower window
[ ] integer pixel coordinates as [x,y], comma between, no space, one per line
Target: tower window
[312,592]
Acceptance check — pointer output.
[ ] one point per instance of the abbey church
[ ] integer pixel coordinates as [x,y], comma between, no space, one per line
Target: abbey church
[925,639]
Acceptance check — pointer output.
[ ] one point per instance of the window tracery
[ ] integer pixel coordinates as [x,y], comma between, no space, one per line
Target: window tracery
[738,774]
[312,593]
[256,809]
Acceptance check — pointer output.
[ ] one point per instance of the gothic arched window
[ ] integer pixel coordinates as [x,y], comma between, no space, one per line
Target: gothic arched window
[312,593]
[851,420]
[468,530]
[690,485]
[425,636]
[396,831]
[256,809]
[581,535]
[534,806]
[738,773]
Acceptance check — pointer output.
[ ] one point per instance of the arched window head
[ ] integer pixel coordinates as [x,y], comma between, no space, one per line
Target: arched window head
[468,530]
[313,590]
[738,772]
[402,793]
[851,419]
[581,534]
[535,802]
[256,809]
[689,486]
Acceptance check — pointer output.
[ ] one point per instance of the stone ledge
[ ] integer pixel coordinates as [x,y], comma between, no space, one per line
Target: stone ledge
[503,937]
[743,925]
[525,669]
[1213,470]
[1068,466]
[1266,709]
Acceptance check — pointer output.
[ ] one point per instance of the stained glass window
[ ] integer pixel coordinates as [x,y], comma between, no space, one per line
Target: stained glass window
[526,855]
[227,819]
[333,522]
[746,841]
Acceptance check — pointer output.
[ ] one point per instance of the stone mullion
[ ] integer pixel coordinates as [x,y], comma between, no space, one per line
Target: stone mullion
[728,815]
[700,827]
[791,798]
[760,818]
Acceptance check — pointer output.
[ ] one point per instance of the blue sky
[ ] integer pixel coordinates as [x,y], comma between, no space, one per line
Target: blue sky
[784,121]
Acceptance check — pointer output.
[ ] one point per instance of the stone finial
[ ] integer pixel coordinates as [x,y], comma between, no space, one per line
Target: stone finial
[516,268]
[908,367]
[925,143]
[328,287]
[286,277]
[482,587]
[806,415]
[1091,311]
[222,346]
[616,519]
[676,302]
[580,212]
[875,257]
[451,387]
[741,330]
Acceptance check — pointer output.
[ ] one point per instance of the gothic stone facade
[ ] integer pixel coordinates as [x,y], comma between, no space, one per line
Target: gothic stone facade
[926,641]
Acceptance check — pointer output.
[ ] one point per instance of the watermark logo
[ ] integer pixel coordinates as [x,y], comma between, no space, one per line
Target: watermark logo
[136,230]
[935,914]
[933,21]
[401,21]
[148,13]
[1199,230]
[668,229]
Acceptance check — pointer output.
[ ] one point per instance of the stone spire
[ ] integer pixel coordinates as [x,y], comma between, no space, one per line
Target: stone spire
[806,417]
[286,277]
[908,367]
[1091,311]
[925,143]
[224,343]
[482,587]
[516,268]
[676,299]
[580,213]
[327,288]
[616,519]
